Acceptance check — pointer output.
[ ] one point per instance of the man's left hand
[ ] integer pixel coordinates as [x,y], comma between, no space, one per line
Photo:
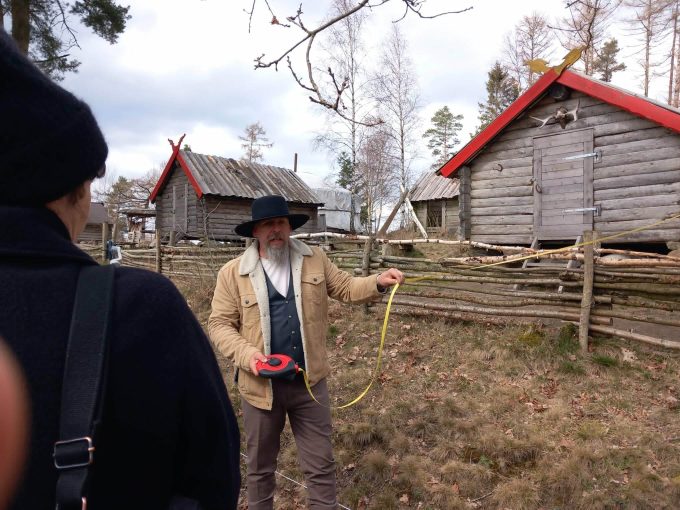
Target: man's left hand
[390,277]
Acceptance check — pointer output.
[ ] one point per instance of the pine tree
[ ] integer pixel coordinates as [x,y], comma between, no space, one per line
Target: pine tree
[606,64]
[443,136]
[43,29]
[502,90]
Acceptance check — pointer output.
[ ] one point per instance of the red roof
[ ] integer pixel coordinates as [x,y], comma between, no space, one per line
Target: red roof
[161,181]
[640,106]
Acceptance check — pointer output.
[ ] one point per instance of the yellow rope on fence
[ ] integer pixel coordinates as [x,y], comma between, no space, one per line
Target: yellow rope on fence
[536,255]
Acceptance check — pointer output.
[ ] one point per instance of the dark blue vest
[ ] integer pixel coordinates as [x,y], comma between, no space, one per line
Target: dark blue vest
[285,323]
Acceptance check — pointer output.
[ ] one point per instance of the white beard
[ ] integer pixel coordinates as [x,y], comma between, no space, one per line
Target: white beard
[277,255]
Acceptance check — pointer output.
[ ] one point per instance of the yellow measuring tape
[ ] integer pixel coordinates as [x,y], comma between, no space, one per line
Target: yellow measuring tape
[536,255]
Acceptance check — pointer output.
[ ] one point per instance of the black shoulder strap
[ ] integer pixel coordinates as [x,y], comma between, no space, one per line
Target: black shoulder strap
[83,386]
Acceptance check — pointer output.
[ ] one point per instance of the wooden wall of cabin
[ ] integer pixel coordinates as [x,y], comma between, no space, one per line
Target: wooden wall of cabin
[636,179]
[92,233]
[177,207]
[223,214]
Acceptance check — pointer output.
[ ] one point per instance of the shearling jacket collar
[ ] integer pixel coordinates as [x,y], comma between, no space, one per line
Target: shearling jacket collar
[251,256]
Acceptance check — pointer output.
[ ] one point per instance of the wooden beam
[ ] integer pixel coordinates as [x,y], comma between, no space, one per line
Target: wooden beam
[587,301]
[383,230]
[413,213]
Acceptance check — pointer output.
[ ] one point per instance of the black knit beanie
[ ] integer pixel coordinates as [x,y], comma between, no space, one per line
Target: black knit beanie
[50,142]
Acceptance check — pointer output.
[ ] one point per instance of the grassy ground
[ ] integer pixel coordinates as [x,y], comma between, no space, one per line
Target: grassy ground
[472,415]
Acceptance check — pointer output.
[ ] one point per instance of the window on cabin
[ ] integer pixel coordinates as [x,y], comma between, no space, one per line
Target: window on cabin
[434,214]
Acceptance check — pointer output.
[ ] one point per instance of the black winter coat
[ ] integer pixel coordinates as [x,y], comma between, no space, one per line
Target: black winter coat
[168,426]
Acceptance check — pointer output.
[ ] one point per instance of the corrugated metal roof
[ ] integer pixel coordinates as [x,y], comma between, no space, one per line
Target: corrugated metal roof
[228,177]
[433,186]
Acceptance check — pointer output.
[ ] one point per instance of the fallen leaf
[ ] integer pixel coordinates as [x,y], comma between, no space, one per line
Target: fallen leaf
[628,355]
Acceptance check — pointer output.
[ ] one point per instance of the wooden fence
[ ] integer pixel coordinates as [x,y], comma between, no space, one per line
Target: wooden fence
[633,295]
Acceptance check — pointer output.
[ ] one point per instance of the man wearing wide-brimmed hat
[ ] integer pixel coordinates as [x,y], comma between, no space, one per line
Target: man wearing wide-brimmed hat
[274,300]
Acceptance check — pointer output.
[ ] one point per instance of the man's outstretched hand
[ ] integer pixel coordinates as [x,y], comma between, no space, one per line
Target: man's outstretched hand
[390,277]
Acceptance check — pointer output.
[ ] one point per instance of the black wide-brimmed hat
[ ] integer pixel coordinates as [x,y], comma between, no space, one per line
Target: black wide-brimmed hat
[265,208]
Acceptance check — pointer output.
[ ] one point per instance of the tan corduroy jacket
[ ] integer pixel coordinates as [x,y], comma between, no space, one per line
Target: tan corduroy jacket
[239,324]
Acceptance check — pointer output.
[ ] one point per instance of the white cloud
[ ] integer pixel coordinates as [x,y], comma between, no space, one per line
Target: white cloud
[187,67]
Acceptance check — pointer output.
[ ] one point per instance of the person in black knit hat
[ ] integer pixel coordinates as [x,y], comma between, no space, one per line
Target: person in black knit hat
[168,437]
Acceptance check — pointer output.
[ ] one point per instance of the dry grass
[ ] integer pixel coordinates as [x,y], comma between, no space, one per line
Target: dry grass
[469,415]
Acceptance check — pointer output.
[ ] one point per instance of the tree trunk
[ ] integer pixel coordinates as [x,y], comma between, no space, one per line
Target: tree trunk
[671,76]
[21,25]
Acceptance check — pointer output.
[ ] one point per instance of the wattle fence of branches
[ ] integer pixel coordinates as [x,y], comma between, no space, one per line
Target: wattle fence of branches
[592,288]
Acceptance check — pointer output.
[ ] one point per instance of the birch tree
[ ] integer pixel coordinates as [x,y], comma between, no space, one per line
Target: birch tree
[345,52]
[396,92]
[378,175]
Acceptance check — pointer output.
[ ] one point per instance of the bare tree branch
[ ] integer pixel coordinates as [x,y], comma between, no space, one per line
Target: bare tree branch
[64,22]
[310,83]
[415,6]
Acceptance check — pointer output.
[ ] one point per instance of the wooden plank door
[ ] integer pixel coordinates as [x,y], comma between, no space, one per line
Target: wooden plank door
[563,184]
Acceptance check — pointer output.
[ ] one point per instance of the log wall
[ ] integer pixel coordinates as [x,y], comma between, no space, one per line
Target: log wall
[636,177]
[93,233]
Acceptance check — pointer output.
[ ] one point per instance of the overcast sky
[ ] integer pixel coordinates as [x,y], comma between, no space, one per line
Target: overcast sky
[186,66]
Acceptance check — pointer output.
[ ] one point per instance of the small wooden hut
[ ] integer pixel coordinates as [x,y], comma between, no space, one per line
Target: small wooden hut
[95,230]
[140,223]
[435,202]
[571,154]
[205,197]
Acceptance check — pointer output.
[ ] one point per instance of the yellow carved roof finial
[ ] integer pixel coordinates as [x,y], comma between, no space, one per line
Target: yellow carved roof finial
[540,66]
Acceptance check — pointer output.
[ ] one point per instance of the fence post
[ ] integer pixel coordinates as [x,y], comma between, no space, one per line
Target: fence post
[159,255]
[587,300]
[366,262]
[105,235]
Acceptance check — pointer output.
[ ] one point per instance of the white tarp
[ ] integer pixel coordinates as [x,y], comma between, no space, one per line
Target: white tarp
[336,208]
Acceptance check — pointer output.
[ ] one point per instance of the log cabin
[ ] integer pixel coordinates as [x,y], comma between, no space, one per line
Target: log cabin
[572,153]
[435,202]
[94,230]
[205,197]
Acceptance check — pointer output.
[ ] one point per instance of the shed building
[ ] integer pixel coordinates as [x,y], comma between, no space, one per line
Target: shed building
[205,197]
[94,229]
[435,202]
[571,154]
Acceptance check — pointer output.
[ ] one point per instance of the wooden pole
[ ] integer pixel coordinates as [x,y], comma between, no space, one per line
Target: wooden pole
[159,258]
[587,301]
[383,230]
[105,236]
[366,262]
[413,214]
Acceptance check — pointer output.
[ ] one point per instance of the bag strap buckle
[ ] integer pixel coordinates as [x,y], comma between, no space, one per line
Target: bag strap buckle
[73,453]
